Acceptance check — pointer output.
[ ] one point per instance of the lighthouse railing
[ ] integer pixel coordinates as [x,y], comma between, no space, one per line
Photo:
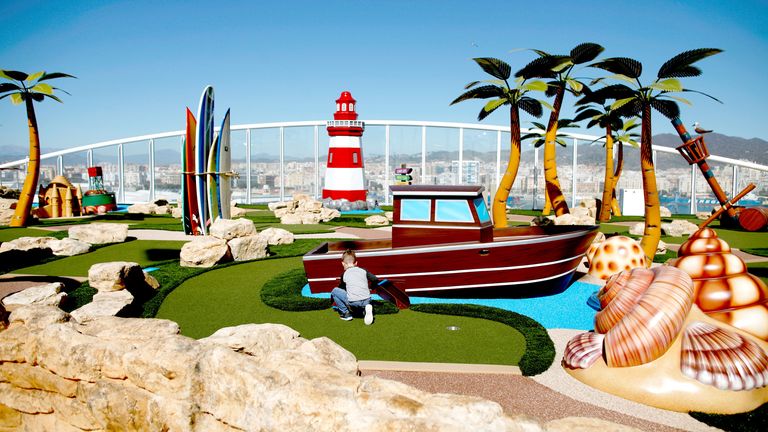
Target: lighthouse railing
[269,156]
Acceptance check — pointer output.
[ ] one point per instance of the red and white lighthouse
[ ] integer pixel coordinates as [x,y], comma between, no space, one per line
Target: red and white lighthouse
[344,177]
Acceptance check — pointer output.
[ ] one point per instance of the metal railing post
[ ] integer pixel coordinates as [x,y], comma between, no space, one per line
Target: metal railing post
[282,163]
[735,182]
[423,155]
[387,169]
[317,163]
[573,171]
[248,166]
[498,161]
[460,170]
[60,165]
[89,158]
[535,194]
[151,170]
[121,173]
[693,189]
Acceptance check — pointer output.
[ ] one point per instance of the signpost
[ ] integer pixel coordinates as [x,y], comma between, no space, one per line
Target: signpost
[403,175]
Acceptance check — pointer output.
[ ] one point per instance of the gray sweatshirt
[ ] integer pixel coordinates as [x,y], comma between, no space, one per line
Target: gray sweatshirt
[355,280]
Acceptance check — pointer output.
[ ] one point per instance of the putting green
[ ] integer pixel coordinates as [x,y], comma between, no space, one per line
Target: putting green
[143,252]
[231,296]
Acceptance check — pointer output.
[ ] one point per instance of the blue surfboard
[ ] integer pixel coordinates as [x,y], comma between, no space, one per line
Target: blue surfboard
[224,167]
[202,148]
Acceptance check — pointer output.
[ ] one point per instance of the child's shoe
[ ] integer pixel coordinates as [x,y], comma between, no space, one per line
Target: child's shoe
[368,320]
[346,317]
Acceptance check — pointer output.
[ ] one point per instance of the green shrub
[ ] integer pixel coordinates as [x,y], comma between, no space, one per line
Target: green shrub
[539,351]
[756,420]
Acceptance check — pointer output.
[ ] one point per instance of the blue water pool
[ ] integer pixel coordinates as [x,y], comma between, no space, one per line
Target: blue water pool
[568,309]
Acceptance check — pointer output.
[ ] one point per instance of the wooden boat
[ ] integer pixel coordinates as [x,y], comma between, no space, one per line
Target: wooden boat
[444,244]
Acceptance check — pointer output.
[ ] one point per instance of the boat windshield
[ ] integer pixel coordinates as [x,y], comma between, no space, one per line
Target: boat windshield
[482,210]
[452,210]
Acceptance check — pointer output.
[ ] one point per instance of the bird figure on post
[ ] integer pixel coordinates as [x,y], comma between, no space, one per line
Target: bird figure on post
[700,130]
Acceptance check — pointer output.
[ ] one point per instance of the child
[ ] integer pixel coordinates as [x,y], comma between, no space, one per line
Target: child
[353,288]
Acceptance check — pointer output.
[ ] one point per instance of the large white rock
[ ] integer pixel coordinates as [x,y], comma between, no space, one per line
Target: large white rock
[291,219]
[277,236]
[256,339]
[589,203]
[7,203]
[679,228]
[376,220]
[703,215]
[5,216]
[389,215]
[44,295]
[114,276]
[664,212]
[228,229]
[203,252]
[583,218]
[142,208]
[327,214]
[69,247]
[103,304]
[248,248]
[309,218]
[237,212]
[277,205]
[99,233]
[27,243]
[637,229]
[177,212]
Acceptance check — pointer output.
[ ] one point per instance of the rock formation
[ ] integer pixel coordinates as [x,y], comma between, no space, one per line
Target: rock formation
[99,233]
[231,240]
[48,294]
[376,220]
[302,209]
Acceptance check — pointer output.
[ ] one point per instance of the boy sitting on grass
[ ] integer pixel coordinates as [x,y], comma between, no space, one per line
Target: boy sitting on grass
[353,288]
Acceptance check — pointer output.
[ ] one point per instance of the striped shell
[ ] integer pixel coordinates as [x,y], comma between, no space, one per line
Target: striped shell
[644,311]
[583,350]
[724,289]
[722,358]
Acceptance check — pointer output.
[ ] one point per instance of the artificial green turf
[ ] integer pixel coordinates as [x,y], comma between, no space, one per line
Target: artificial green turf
[231,296]
[8,234]
[756,420]
[144,252]
[756,251]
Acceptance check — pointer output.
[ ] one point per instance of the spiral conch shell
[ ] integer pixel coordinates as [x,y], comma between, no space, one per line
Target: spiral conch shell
[643,312]
[724,289]
[615,254]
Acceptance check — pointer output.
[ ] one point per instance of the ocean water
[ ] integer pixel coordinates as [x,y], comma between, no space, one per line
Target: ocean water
[567,310]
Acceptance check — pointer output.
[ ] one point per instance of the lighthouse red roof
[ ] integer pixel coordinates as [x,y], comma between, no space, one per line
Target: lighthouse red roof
[345,107]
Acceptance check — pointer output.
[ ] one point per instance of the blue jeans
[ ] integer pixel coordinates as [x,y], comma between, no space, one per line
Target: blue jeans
[340,297]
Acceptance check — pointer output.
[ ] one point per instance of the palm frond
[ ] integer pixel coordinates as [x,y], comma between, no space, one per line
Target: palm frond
[588,113]
[54,75]
[585,52]
[472,84]
[702,93]
[490,107]
[6,87]
[553,87]
[531,106]
[494,67]
[54,97]
[621,65]
[673,66]
[685,72]
[14,75]
[666,107]
[543,67]
[483,92]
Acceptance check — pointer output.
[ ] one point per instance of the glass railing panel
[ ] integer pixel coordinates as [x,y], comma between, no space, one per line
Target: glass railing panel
[442,157]
[377,178]
[265,165]
[299,160]
[107,159]
[136,169]
[239,183]
[590,174]
[479,159]
[673,181]
[168,169]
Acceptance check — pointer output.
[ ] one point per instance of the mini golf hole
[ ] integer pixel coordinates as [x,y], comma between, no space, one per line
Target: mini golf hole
[453,328]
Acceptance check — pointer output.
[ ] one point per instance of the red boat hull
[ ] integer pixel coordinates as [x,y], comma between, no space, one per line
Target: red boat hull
[519,262]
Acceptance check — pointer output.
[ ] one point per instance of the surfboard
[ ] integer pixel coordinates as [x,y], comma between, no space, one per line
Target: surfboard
[212,181]
[188,188]
[224,166]
[389,292]
[202,148]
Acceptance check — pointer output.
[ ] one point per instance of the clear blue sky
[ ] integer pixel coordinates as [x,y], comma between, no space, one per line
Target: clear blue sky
[139,63]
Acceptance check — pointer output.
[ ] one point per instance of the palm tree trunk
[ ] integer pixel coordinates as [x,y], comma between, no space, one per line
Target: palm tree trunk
[547,203]
[505,186]
[619,166]
[550,162]
[652,231]
[24,205]
[605,209]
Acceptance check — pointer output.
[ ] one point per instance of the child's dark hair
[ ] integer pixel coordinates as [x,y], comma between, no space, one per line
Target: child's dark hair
[349,256]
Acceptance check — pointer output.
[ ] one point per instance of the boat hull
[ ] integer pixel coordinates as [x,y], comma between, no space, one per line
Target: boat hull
[532,262]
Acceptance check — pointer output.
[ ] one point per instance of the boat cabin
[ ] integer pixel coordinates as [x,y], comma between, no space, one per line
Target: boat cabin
[425,215]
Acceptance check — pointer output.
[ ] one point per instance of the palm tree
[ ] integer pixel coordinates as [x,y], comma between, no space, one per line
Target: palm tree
[593,107]
[558,68]
[27,89]
[626,135]
[502,93]
[637,99]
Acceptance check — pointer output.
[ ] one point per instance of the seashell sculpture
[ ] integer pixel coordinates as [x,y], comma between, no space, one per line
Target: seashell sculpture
[652,344]
[615,254]
[724,289]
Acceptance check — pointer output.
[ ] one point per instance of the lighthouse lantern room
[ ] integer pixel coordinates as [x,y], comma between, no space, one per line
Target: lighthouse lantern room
[344,177]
